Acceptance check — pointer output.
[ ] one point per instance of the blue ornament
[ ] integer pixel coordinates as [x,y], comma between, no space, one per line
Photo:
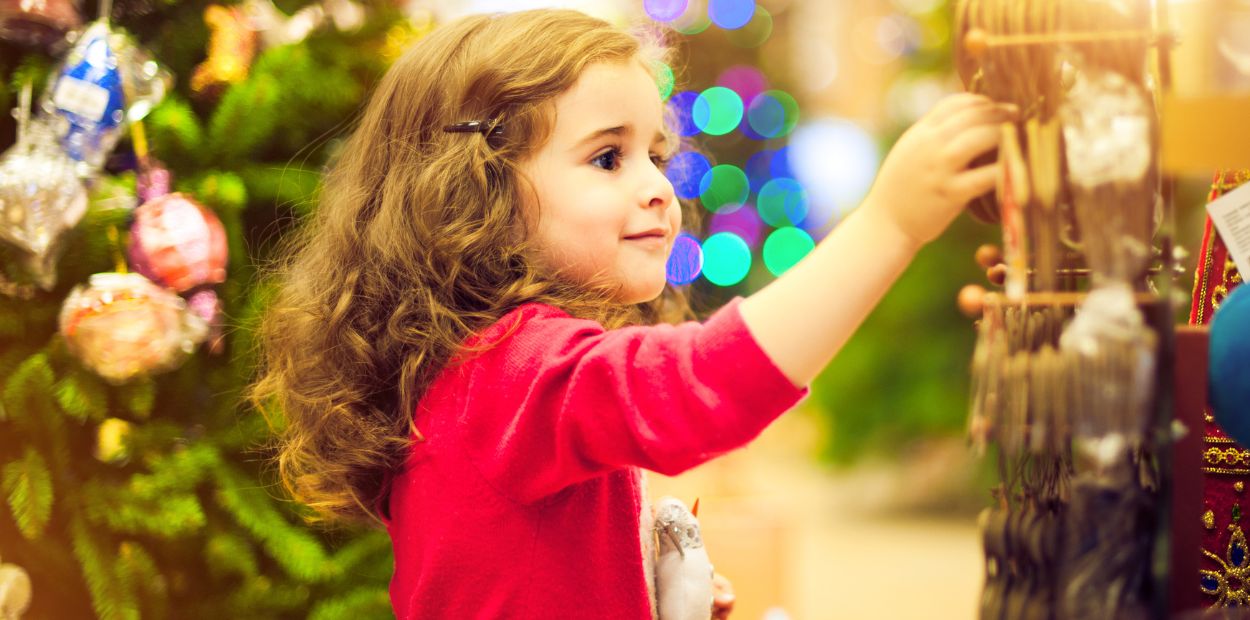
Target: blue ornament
[87,93]
[1229,371]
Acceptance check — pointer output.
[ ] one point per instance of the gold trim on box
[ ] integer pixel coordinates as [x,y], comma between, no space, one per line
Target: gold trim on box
[1239,471]
[1230,456]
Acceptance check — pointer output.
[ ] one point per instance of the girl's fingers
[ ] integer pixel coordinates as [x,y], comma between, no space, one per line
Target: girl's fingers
[968,144]
[975,116]
[967,185]
[949,104]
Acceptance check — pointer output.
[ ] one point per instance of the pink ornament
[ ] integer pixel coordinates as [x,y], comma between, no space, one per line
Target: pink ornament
[178,242]
[152,180]
[205,303]
[121,325]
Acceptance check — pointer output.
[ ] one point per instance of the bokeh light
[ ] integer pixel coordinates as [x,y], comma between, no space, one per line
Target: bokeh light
[820,62]
[744,222]
[694,20]
[726,259]
[664,10]
[680,105]
[773,113]
[836,161]
[731,14]
[685,262]
[717,111]
[685,171]
[785,247]
[724,188]
[755,32]
[745,80]
[878,40]
[919,6]
[757,169]
[893,35]
[782,202]
[665,79]
[779,163]
[912,95]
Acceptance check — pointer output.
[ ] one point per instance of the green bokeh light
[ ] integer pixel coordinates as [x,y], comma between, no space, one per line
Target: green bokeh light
[726,259]
[773,113]
[665,79]
[693,21]
[782,202]
[755,33]
[717,111]
[724,188]
[785,247]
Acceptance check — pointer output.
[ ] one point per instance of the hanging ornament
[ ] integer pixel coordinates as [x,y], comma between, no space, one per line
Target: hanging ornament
[104,80]
[231,49]
[110,441]
[14,591]
[277,28]
[206,304]
[38,24]
[152,180]
[178,243]
[121,325]
[41,197]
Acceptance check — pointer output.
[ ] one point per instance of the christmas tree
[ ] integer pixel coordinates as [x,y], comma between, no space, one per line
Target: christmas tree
[149,494]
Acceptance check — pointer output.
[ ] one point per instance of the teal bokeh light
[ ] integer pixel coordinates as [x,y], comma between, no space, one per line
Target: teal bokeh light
[726,259]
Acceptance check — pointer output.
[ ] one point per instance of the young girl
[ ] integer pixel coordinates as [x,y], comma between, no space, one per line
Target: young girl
[472,341]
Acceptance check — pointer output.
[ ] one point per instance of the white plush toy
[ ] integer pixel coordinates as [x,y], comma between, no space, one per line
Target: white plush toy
[683,572]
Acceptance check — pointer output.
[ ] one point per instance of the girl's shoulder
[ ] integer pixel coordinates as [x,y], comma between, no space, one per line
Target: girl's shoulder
[531,324]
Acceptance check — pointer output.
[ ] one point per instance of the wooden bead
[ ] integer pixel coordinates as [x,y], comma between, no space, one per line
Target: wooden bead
[971,300]
[976,42]
[989,255]
[997,274]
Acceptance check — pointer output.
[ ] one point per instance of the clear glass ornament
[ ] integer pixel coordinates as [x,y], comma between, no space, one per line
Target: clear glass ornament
[41,197]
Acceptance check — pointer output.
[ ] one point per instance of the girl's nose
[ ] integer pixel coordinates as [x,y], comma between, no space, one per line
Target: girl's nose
[657,190]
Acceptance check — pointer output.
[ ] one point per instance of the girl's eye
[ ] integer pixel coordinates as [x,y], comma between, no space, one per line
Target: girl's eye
[608,160]
[611,160]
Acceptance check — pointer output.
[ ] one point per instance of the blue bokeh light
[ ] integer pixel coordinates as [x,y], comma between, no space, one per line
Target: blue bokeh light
[685,262]
[686,171]
[731,14]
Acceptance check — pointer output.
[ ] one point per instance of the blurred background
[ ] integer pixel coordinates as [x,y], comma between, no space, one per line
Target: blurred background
[151,498]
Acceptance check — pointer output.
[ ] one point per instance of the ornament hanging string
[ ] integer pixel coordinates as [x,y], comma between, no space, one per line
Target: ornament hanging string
[118,258]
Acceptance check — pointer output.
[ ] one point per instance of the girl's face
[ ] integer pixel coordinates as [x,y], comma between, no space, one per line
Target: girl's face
[606,212]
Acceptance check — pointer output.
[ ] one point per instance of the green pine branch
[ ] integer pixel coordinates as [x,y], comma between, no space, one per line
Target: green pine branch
[27,487]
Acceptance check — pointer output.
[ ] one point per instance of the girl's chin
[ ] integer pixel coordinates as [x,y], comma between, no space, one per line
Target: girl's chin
[642,292]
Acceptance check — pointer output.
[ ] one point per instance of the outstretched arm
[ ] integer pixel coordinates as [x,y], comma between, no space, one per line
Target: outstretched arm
[922,186]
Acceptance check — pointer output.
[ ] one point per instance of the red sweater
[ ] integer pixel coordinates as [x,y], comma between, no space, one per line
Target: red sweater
[524,500]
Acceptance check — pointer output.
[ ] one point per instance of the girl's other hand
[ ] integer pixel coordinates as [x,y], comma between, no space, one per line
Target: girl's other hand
[926,179]
[722,597]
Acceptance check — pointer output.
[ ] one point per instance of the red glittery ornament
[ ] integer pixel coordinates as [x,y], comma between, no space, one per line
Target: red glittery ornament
[178,242]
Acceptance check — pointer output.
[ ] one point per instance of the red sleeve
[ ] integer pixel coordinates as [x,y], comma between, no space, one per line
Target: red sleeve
[562,399]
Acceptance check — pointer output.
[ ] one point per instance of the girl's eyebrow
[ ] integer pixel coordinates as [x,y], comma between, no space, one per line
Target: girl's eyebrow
[619,130]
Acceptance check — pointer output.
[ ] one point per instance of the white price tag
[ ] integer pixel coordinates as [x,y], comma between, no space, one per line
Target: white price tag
[82,98]
[1231,215]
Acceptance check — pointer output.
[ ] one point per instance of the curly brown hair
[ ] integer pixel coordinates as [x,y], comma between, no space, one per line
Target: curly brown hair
[413,247]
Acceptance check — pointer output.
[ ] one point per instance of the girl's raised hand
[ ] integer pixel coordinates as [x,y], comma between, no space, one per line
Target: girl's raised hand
[926,179]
